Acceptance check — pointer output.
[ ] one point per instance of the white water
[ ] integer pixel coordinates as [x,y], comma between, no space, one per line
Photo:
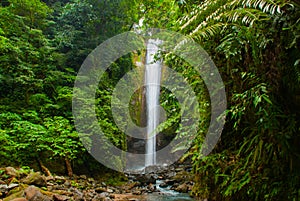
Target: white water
[152,82]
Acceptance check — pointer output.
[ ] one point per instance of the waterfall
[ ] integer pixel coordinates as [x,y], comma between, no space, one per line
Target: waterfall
[152,83]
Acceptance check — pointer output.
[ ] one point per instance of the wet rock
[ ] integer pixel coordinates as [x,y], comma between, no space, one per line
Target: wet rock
[146,178]
[170,181]
[35,178]
[163,185]
[151,188]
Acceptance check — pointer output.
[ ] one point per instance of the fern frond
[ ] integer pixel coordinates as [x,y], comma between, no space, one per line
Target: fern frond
[206,18]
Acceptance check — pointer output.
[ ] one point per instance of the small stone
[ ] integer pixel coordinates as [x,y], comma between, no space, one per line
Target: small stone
[137,192]
[133,199]
[104,194]
[67,183]
[109,190]
[152,188]
[179,169]
[19,199]
[50,178]
[60,197]
[100,190]
[90,180]
[59,178]
[83,177]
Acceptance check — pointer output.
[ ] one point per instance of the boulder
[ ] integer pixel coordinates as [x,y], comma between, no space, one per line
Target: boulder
[146,178]
[35,178]
[17,193]
[32,193]
[154,169]
[4,188]
[163,185]
[183,188]
[11,172]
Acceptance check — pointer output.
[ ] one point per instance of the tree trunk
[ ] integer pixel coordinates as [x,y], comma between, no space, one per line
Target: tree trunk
[44,168]
[69,167]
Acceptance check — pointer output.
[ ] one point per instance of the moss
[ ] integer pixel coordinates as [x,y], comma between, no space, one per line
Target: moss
[17,194]
[114,179]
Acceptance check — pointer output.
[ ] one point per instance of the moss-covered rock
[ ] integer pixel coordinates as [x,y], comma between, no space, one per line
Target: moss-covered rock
[35,178]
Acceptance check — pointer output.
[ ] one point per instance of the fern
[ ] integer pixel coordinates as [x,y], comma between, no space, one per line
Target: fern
[211,18]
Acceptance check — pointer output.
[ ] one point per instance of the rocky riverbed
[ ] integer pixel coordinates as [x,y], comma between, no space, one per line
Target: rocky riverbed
[153,183]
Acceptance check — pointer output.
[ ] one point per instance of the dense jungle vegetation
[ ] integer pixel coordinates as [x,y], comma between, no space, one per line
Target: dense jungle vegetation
[254,44]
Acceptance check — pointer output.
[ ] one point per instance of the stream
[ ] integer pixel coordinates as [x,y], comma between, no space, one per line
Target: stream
[166,194]
[165,197]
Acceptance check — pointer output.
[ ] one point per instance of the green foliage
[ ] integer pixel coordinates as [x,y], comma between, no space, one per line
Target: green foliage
[62,138]
[40,50]
[255,45]
[34,12]
[256,152]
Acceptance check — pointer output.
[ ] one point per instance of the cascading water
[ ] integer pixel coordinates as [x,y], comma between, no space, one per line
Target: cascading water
[152,82]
